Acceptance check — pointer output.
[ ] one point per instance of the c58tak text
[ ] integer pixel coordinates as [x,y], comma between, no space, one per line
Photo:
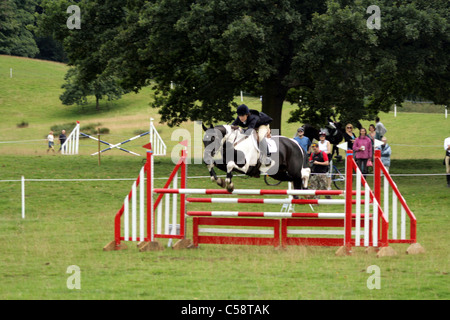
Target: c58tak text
[247,309]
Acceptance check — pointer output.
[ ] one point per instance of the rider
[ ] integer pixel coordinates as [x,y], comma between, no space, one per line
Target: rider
[254,120]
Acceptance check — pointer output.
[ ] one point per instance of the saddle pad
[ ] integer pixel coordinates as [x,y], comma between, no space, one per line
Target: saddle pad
[272,145]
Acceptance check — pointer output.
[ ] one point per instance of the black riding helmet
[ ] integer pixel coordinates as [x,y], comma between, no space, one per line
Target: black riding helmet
[242,110]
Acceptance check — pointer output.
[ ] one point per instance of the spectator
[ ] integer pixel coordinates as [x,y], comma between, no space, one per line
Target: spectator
[51,142]
[372,133]
[319,167]
[62,139]
[349,136]
[380,129]
[385,153]
[363,150]
[303,141]
[447,159]
[325,146]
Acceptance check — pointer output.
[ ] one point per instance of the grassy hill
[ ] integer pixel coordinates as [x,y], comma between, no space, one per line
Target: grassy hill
[32,96]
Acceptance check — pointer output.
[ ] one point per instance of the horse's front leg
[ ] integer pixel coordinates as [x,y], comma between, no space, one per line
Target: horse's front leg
[214,177]
[228,181]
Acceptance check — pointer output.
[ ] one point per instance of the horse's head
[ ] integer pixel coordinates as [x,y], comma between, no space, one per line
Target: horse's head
[213,140]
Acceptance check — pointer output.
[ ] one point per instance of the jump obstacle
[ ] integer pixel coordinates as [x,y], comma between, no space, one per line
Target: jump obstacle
[368,220]
[71,145]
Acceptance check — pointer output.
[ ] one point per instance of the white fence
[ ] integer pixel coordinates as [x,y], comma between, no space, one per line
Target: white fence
[71,145]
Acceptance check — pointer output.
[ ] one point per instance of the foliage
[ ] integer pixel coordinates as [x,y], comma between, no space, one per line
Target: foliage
[77,90]
[15,37]
[362,71]
[318,54]
[22,124]
[57,128]
[87,77]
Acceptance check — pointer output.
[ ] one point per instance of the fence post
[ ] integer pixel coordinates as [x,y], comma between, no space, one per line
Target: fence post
[23,197]
[348,199]
[150,216]
[183,196]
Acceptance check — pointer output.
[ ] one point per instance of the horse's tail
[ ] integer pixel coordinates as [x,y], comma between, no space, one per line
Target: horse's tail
[305,159]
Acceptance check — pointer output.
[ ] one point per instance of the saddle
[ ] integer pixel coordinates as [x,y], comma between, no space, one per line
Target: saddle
[254,169]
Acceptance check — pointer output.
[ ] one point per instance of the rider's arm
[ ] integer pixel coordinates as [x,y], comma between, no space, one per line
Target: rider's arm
[236,122]
[252,121]
[251,124]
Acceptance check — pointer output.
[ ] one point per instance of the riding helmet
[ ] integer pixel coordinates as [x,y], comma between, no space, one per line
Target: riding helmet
[242,110]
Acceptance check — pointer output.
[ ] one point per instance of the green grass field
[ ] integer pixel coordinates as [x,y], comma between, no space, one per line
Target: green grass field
[68,223]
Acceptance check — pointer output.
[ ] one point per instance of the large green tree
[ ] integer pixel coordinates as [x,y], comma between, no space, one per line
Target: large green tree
[319,54]
[86,48]
[212,49]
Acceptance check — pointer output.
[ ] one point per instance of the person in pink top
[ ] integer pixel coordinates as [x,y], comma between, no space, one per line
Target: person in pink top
[362,147]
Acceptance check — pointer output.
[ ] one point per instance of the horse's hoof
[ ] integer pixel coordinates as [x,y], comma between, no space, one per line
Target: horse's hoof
[220,182]
[230,187]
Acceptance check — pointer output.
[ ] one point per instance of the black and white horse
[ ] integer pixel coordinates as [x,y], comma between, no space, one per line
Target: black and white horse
[230,150]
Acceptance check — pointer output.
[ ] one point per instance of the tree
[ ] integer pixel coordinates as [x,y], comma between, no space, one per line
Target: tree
[76,90]
[319,54]
[213,49]
[363,71]
[15,37]
[89,75]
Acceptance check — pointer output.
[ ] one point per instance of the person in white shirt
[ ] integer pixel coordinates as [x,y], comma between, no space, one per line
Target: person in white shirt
[447,159]
[325,146]
[51,142]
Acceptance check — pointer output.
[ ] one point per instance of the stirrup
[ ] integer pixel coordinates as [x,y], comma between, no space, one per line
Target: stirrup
[267,161]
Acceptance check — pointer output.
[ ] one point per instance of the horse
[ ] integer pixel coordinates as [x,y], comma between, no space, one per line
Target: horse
[230,150]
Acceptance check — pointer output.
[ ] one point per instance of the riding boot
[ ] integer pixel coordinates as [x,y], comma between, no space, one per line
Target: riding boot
[448,180]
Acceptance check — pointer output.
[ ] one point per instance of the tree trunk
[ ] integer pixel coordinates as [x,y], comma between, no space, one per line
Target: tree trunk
[97,103]
[274,94]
